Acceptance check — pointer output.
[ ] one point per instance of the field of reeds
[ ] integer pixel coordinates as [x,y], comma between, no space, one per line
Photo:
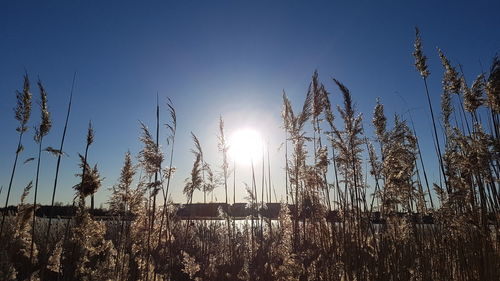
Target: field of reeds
[325,229]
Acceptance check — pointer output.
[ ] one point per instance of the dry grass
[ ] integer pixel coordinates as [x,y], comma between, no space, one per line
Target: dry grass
[148,241]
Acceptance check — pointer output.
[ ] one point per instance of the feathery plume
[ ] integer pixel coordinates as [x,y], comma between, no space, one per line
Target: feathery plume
[446,109]
[379,120]
[451,79]
[54,262]
[493,86]
[91,179]
[45,123]
[318,95]
[26,191]
[328,109]
[150,156]
[90,134]
[172,127]
[22,114]
[473,96]
[223,148]
[420,58]
[120,193]
[23,108]
[191,267]
[306,112]
[287,113]
[197,145]
[195,181]
[209,184]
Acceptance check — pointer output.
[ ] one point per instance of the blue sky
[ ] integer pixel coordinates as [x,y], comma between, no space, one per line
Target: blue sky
[212,58]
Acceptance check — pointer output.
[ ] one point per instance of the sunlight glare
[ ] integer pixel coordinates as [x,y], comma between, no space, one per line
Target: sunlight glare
[245,145]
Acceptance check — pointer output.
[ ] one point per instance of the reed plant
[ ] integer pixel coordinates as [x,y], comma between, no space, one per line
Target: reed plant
[40,132]
[22,114]
[335,222]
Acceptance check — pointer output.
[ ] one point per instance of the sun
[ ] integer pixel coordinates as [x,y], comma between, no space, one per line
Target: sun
[245,145]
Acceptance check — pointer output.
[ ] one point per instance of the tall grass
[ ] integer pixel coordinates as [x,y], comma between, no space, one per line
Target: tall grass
[59,154]
[40,132]
[22,114]
[335,223]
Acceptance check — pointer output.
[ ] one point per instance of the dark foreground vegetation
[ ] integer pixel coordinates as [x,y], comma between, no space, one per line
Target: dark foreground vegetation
[211,211]
[324,161]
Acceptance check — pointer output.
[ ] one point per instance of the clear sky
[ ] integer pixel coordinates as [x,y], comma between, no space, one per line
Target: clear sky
[229,58]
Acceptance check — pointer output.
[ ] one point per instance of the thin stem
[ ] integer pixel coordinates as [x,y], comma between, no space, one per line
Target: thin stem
[34,200]
[18,151]
[438,146]
[59,160]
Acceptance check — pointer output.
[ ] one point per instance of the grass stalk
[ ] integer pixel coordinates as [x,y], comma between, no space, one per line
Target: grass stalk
[22,114]
[59,156]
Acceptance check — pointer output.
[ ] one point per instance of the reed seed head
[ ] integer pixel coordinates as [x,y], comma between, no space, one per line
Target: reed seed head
[150,157]
[45,123]
[493,86]
[420,58]
[451,78]
[23,108]
[91,179]
[473,97]
[90,134]
[379,120]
